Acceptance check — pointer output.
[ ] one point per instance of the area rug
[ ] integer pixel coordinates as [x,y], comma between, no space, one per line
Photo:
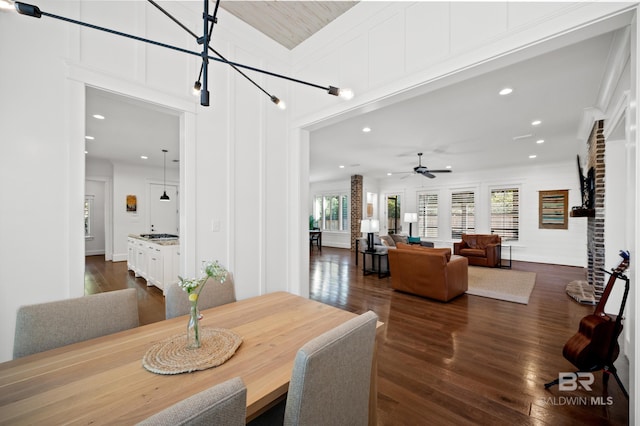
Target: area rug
[581,292]
[502,284]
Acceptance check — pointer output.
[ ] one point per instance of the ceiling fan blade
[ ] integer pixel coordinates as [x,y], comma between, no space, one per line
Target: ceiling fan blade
[429,175]
[440,171]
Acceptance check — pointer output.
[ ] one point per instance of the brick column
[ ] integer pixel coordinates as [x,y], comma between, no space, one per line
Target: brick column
[356,208]
[595,225]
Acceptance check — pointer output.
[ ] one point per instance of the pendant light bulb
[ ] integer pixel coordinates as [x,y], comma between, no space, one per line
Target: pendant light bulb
[280,103]
[164,196]
[196,88]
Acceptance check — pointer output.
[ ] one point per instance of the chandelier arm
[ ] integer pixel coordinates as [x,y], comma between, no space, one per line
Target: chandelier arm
[108,30]
[330,89]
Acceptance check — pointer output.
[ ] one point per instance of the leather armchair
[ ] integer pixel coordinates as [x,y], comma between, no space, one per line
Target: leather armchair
[428,272]
[480,249]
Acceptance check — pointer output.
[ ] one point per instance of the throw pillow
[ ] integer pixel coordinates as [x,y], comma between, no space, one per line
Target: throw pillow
[387,240]
[413,239]
[399,238]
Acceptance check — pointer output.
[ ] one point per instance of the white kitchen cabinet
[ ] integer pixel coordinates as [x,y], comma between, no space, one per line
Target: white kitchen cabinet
[141,259]
[154,265]
[131,254]
[157,263]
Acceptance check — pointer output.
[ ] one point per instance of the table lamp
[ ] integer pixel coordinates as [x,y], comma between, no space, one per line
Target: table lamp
[411,218]
[369,226]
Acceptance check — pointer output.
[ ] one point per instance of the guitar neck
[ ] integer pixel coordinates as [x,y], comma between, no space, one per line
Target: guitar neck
[599,311]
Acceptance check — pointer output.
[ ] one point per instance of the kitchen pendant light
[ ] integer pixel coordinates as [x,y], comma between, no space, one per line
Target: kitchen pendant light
[164,196]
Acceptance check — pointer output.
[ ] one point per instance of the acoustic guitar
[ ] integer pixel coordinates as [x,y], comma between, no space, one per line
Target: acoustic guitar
[591,347]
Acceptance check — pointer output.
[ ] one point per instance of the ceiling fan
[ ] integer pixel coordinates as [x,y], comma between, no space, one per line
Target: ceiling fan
[424,170]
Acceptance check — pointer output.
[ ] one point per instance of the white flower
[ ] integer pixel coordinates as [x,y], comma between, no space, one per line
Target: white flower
[211,269]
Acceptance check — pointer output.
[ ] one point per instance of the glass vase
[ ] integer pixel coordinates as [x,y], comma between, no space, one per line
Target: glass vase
[193,328]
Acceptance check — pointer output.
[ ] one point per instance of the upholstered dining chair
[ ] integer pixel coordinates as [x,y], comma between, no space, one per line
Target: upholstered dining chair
[214,293]
[331,378]
[222,405]
[45,326]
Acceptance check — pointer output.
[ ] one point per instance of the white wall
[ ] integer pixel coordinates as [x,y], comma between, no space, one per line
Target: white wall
[223,191]
[556,246]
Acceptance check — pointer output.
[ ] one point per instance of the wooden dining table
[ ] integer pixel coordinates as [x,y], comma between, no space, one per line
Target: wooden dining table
[103,381]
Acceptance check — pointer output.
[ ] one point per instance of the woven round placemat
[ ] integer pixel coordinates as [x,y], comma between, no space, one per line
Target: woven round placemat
[171,356]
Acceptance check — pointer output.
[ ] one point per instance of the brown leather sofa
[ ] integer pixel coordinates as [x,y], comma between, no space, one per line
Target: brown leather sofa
[428,272]
[480,249]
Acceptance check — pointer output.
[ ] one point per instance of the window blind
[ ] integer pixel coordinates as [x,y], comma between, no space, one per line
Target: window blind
[428,215]
[505,213]
[462,213]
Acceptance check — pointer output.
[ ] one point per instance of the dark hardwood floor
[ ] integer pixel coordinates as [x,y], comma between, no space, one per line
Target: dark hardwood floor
[472,361]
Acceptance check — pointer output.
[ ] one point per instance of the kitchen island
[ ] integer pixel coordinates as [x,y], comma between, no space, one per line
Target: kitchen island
[154,257]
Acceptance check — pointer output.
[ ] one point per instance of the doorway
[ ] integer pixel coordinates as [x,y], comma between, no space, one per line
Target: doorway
[394,226]
[94,218]
[164,215]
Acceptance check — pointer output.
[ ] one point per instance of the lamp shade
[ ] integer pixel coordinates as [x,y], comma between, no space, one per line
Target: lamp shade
[411,217]
[369,225]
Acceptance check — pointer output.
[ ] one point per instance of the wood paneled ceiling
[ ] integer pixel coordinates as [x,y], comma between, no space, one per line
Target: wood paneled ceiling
[287,22]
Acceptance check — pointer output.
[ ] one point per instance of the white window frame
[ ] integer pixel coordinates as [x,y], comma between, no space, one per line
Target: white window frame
[503,188]
[466,228]
[423,217]
[343,211]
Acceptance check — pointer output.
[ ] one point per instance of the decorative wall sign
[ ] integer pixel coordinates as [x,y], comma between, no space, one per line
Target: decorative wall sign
[553,207]
[132,203]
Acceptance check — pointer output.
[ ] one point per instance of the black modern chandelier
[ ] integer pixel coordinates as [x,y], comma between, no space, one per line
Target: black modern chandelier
[208,21]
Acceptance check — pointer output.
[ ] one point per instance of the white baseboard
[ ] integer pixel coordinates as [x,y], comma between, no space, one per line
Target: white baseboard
[119,258]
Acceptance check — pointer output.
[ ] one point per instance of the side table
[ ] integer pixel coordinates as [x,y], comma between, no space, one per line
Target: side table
[501,265]
[374,269]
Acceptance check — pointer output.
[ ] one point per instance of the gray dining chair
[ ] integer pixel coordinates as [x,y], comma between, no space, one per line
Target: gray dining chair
[214,293]
[224,404]
[45,326]
[330,380]
[331,376]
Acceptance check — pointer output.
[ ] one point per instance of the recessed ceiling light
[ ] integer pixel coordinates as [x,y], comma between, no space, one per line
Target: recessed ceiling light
[540,141]
[447,167]
[86,152]
[389,174]
[532,156]
[341,166]
[505,91]
[536,122]
[144,157]
[89,138]
[98,116]
[366,129]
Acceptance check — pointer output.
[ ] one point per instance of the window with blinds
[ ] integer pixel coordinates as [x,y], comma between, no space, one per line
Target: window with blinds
[428,215]
[462,214]
[505,213]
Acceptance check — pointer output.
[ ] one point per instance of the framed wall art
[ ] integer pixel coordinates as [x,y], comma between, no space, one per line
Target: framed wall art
[132,203]
[553,209]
